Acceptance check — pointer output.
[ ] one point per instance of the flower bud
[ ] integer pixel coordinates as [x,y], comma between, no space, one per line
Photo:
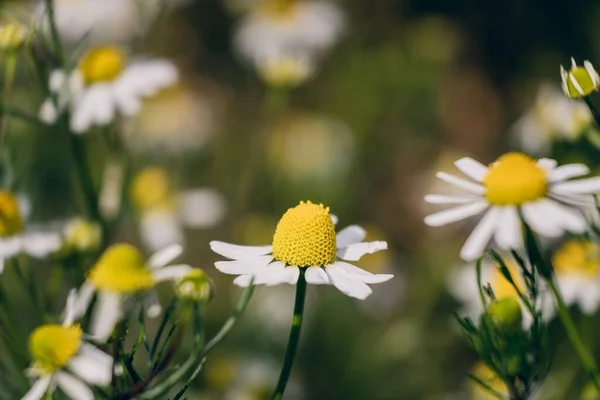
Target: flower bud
[579,81]
[82,235]
[506,314]
[13,36]
[589,392]
[285,70]
[195,286]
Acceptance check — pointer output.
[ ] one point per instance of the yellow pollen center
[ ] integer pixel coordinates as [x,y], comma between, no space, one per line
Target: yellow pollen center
[514,179]
[577,257]
[53,346]
[102,64]
[11,222]
[121,269]
[305,236]
[278,9]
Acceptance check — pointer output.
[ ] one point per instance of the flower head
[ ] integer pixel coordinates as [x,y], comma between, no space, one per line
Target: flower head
[13,36]
[121,269]
[82,235]
[515,185]
[305,238]
[579,81]
[195,286]
[285,70]
[52,346]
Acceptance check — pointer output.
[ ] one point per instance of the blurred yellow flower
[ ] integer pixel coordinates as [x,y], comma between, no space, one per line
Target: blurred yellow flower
[489,377]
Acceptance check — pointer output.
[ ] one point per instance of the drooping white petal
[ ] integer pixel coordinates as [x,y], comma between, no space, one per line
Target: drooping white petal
[355,251]
[547,163]
[445,199]
[243,280]
[276,274]
[10,247]
[152,304]
[580,186]
[41,244]
[57,80]
[362,275]
[171,273]
[481,235]
[84,298]
[471,168]
[541,219]
[350,234]
[348,284]
[589,299]
[571,219]
[92,365]
[48,112]
[73,387]
[236,252]
[243,267]
[165,256]
[71,308]
[95,107]
[145,78]
[456,214]
[461,183]
[508,231]
[317,276]
[107,312]
[567,171]
[38,389]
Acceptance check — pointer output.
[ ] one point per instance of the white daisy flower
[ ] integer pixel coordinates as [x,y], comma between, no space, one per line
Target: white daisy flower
[577,268]
[305,238]
[120,272]
[579,81]
[553,116]
[514,187]
[103,85]
[284,26]
[15,240]
[61,358]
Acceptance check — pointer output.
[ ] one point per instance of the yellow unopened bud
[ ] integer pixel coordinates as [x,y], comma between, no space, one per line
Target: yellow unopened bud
[589,392]
[285,71]
[579,81]
[82,235]
[506,314]
[13,36]
[195,286]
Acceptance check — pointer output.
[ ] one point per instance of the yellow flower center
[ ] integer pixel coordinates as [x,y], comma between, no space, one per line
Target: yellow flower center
[305,236]
[577,257]
[515,179]
[151,189]
[53,346]
[102,64]
[121,269]
[11,222]
[278,9]
[584,79]
[284,71]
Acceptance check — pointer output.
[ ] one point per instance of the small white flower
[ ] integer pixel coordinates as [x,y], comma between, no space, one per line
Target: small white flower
[120,272]
[514,186]
[61,358]
[305,238]
[284,26]
[103,86]
[285,70]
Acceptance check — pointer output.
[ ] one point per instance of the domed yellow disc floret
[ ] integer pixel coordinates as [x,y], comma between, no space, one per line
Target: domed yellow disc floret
[102,64]
[577,257]
[305,236]
[121,269]
[515,179]
[53,346]
[11,222]
[151,188]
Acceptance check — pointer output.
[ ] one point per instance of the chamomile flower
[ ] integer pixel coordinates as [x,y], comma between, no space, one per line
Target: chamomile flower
[62,359]
[579,81]
[514,187]
[577,267]
[13,36]
[305,238]
[122,272]
[283,26]
[104,85]
[285,70]
[15,240]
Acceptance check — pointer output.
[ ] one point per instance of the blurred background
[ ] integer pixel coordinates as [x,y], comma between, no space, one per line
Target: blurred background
[406,88]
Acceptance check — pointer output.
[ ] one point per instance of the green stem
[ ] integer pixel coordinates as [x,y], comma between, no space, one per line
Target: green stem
[57,42]
[586,358]
[9,77]
[593,110]
[294,338]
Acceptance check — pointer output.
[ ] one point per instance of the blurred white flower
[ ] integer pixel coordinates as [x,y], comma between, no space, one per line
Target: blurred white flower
[285,70]
[552,117]
[121,272]
[62,359]
[104,86]
[82,235]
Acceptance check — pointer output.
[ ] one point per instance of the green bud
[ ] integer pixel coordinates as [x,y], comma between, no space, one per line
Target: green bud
[82,236]
[195,286]
[13,36]
[506,314]
[579,81]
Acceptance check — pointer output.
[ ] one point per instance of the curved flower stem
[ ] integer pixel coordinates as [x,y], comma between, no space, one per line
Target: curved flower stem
[593,110]
[56,41]
[290,353]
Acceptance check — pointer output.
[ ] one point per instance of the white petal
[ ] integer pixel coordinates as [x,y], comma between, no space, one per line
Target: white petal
[48,113]
[547,163]
[146,77]
[244,266]
[73,387]
[38,389]
[243,280]
[276,274]
[444,199]
[589,300]
[171,273]
[10,247]
[96,106]
[568,171]
[456,214]
[481,235]
[508,231]
[355,251]
[84,298]
[541,219]
[471,168]
[350,234]
[152,304]
[57,80]
[165,256]
[41,244]
[334,218]
[92,365]
[570,218]
[461,183]
[107,313]
[235,252]
[71,308]
[361,274]
[581,186]
[317,276]
[347,283]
